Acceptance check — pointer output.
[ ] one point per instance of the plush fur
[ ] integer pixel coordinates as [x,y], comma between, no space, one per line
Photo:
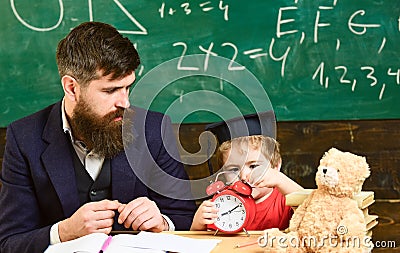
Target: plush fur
[329,220]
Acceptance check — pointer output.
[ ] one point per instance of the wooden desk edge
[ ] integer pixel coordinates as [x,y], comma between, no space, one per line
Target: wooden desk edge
[180,232]
[227,242]
[212,233]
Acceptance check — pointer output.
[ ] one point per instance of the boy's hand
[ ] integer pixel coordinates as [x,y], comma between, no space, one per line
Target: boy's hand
[206,214]
[264,176]
[273,178]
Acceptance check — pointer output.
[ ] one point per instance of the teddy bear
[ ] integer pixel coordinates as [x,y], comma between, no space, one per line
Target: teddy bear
[329,219]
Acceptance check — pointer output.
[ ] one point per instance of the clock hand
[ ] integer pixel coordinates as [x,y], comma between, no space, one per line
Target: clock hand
[230,211]
[234,208]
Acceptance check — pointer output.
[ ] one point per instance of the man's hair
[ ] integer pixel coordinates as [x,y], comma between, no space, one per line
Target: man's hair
[269,148]
[94,48]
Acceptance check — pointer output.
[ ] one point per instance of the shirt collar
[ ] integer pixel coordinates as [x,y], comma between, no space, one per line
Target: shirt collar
[65,123]
[67,128]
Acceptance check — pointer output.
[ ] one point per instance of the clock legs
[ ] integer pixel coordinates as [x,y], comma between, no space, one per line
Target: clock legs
[244,230]
[216,232]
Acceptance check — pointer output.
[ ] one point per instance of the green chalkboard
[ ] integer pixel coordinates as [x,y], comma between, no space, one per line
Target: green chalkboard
[308,60]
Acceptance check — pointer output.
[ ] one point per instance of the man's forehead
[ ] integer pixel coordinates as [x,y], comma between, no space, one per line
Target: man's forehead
[112,82]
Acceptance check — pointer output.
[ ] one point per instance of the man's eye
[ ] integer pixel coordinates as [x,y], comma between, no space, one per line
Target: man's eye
[109,91]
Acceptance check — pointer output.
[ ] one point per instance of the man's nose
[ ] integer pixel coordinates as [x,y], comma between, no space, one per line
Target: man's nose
[123,99]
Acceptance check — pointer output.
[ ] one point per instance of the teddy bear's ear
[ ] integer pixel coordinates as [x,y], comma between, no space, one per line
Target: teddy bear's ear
[368,173]
[363,164]
[331,152]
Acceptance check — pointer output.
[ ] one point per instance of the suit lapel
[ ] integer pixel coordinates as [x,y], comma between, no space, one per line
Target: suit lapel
[57,160]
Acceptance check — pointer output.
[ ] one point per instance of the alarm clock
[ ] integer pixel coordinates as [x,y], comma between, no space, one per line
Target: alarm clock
[236,206]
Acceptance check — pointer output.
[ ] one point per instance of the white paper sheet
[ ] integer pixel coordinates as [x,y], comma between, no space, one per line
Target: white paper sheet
[144,242]
[167,242]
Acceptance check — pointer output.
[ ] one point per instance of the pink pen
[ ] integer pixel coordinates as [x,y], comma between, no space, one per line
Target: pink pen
[105,244]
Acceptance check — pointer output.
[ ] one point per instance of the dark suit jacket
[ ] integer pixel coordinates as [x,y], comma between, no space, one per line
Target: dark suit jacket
[39,186]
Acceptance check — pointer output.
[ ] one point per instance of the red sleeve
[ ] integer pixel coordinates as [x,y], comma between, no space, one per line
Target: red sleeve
[286,216]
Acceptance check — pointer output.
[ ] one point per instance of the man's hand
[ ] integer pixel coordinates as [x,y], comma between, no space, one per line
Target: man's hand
[93,217]
[142,214]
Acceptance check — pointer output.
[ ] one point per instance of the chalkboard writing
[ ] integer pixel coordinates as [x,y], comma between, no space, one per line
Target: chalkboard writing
[315,60]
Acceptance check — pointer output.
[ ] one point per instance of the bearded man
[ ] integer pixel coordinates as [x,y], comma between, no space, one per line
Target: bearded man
[91,162]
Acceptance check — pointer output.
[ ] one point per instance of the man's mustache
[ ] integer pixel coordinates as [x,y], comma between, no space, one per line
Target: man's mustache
[112,115]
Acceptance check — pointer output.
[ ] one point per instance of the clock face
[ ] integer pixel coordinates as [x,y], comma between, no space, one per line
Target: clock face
[231,214]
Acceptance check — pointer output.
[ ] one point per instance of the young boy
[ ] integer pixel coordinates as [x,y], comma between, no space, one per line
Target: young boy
[247,154]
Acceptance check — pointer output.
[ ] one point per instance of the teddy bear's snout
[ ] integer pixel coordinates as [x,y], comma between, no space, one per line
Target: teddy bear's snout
[328,176]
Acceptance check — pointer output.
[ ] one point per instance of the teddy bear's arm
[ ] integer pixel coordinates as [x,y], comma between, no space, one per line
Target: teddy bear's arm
[352,224]
[299,213]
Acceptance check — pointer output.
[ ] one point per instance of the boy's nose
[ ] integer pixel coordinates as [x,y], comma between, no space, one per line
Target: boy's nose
[245,174]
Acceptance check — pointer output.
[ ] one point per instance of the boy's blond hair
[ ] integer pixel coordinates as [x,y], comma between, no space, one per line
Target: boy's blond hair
[269,148]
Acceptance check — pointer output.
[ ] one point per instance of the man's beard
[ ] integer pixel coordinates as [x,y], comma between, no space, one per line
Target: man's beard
[102,135]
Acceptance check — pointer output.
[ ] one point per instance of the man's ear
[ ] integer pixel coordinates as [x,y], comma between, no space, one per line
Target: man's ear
[70,87]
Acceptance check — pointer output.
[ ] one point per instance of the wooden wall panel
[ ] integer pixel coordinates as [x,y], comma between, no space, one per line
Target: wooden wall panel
[303,144]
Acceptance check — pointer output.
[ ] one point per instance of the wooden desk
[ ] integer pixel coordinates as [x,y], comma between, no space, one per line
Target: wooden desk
[228,241]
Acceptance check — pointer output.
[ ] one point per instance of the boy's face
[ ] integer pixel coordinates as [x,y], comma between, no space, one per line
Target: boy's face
[243,160]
